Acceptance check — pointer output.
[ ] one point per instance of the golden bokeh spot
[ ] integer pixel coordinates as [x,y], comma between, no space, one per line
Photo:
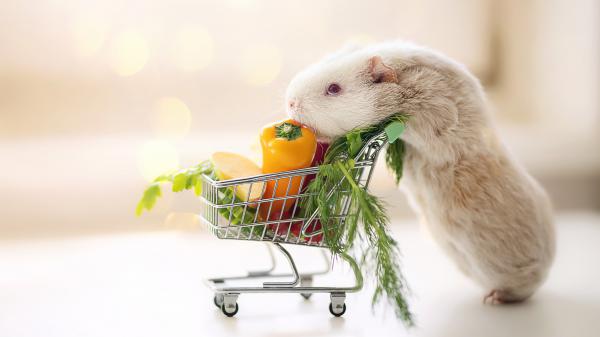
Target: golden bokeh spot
[194,49]
[89,34]
[182,221]
[261,64]
[173,118]
[157,157]
[129,53]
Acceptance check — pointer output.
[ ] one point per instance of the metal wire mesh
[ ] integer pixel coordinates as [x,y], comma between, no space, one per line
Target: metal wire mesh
[232,210]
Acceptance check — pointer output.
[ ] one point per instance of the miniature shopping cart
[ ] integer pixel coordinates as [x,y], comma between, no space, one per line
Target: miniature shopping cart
[228,217]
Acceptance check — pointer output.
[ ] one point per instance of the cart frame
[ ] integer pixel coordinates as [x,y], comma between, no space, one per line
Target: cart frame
[229,217]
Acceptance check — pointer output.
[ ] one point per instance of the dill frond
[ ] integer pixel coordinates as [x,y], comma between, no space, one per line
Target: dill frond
[333,185]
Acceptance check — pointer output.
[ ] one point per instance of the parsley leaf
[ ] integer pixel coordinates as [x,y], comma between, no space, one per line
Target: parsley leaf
[151,194]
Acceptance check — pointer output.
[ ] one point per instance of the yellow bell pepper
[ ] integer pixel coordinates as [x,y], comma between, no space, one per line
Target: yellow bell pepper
[286,145]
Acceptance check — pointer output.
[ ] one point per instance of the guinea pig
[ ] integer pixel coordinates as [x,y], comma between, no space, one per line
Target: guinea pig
[484,210]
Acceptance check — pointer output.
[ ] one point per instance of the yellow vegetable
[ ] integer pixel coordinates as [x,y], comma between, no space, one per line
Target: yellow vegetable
[286,145]
[231,166]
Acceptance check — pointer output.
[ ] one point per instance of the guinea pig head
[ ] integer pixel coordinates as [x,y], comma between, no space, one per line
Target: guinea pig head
[340,94]
[364,87]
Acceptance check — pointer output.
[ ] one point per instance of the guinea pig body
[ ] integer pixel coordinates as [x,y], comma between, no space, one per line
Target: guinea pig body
[488,215]
[485,211]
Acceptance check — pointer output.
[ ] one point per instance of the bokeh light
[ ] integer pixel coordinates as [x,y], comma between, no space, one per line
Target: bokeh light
[157,157]
[89,34]
[182,221]
[129,53]
[261,64]
[193,49]
[173,118]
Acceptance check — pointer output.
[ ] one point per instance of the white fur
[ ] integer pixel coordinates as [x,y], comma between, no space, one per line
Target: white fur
[485,211]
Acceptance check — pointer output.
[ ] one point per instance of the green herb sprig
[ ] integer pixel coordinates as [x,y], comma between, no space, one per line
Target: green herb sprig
[190,179]
[184,179]
[335,182]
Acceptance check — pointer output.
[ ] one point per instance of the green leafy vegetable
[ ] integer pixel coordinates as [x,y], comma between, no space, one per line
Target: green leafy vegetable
[149,198]
[355,143]
[394,130]
[395,152]
[336,183]
[394,158]
[191,178]
[181,180]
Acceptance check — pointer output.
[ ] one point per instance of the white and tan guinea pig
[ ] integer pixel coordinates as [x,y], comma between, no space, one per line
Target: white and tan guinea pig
[490,216]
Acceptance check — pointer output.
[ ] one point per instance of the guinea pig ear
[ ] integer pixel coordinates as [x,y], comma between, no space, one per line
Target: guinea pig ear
[380,72]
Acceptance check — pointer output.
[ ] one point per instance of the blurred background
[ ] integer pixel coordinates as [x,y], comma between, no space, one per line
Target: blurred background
[98,97]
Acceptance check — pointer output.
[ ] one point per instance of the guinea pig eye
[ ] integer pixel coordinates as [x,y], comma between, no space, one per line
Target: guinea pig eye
[333,89]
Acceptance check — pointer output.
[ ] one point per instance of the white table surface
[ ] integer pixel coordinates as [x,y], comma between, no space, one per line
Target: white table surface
[150,284]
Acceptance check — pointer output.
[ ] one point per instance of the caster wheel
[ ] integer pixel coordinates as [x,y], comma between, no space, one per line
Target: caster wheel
[218,300]
[306,295]
[338,312]
[227,311]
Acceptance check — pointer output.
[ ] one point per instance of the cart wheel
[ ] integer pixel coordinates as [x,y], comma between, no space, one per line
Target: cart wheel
[227,311]
[218,300]
[338,311]
[306,295]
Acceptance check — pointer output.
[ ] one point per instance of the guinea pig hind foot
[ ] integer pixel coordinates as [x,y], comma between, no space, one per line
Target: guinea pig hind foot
[493,298]
[498,297]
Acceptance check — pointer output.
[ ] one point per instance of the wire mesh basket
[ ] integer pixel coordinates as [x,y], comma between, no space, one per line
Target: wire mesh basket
[234,210]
